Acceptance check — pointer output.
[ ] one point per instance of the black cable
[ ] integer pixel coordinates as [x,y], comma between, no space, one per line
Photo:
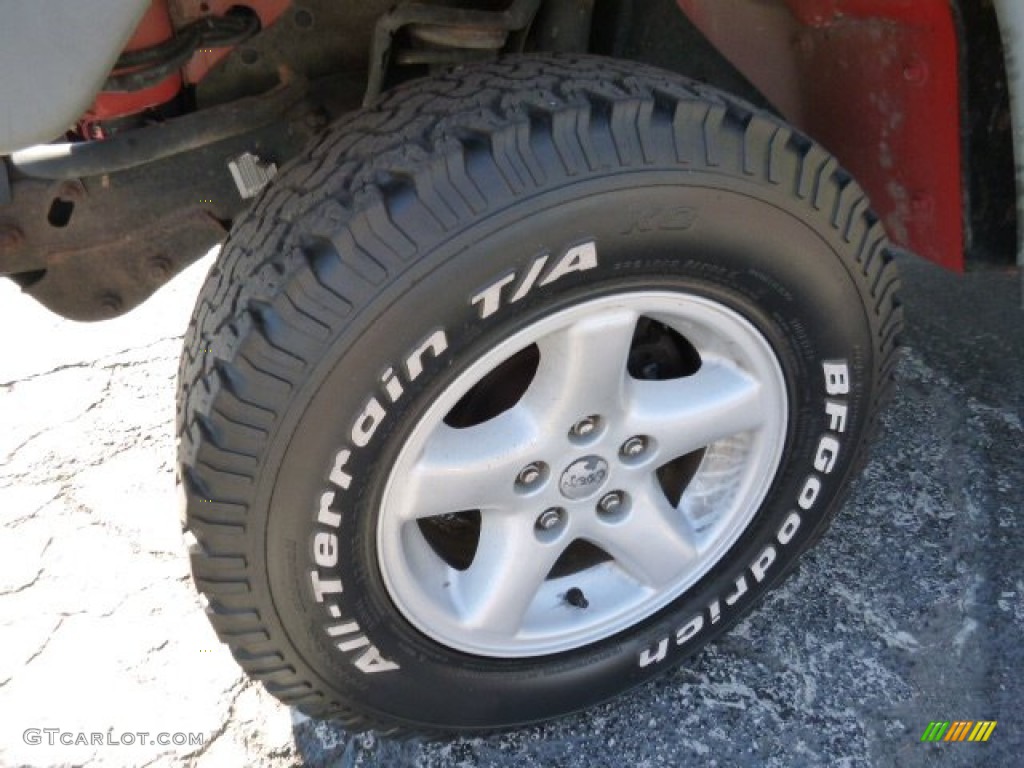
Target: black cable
[140,79]
[230,30]
[187,38]
[153,64]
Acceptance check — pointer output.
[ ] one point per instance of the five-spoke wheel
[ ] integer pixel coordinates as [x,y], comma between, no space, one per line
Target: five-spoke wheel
[582,474]
[523,386]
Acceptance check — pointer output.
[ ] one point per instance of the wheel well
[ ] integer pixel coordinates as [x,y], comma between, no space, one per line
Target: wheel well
[946,191]
[656,32]
[988,139]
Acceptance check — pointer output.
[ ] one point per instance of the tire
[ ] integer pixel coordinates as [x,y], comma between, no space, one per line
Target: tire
[520,387]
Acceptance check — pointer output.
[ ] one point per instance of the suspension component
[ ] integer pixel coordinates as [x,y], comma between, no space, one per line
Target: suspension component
[451,36]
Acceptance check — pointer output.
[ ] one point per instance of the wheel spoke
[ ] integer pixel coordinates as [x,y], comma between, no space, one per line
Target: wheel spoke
[471,468]
[582,368]
[479,583]
[654,544]
[693,412]
[510,565]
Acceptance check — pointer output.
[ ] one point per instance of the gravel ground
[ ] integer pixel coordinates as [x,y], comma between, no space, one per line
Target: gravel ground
[910,610]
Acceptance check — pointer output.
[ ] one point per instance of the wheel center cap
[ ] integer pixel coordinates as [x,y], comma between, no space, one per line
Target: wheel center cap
[583,477]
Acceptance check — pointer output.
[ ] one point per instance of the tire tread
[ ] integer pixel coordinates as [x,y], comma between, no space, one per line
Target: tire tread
[388,182]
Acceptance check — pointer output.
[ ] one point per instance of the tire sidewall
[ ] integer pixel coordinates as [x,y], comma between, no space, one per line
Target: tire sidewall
[749,247]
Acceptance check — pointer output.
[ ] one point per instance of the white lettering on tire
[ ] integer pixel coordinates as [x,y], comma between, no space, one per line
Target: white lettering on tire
[837,383]
[345,634]
[579,258]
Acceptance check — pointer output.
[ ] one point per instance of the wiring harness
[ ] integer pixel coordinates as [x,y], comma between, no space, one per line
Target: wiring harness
[144,68]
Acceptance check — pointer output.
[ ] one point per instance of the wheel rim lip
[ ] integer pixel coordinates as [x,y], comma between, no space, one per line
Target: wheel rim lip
[424,608]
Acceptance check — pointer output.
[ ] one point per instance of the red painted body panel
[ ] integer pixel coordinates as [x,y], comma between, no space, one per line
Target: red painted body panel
[878,83]
[154,28]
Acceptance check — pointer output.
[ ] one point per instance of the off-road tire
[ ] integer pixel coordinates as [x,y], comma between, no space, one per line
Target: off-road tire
[394,225]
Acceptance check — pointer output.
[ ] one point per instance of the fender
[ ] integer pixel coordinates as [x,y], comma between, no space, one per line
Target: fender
[878,83]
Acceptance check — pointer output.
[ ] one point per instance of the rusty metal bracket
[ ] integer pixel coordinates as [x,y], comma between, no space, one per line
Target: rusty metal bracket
[146,145]
[465,30]
[107,280]
[95,247]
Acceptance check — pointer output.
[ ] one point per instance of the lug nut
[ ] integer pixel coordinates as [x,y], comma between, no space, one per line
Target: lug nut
[549,518]
[585,427]
[633,447]
[530,474]
[611,503]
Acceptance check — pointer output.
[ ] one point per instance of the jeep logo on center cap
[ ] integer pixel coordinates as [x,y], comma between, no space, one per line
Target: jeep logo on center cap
[584,477]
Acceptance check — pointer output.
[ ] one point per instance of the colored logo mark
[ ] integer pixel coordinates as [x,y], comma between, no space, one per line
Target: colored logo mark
[958,730]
